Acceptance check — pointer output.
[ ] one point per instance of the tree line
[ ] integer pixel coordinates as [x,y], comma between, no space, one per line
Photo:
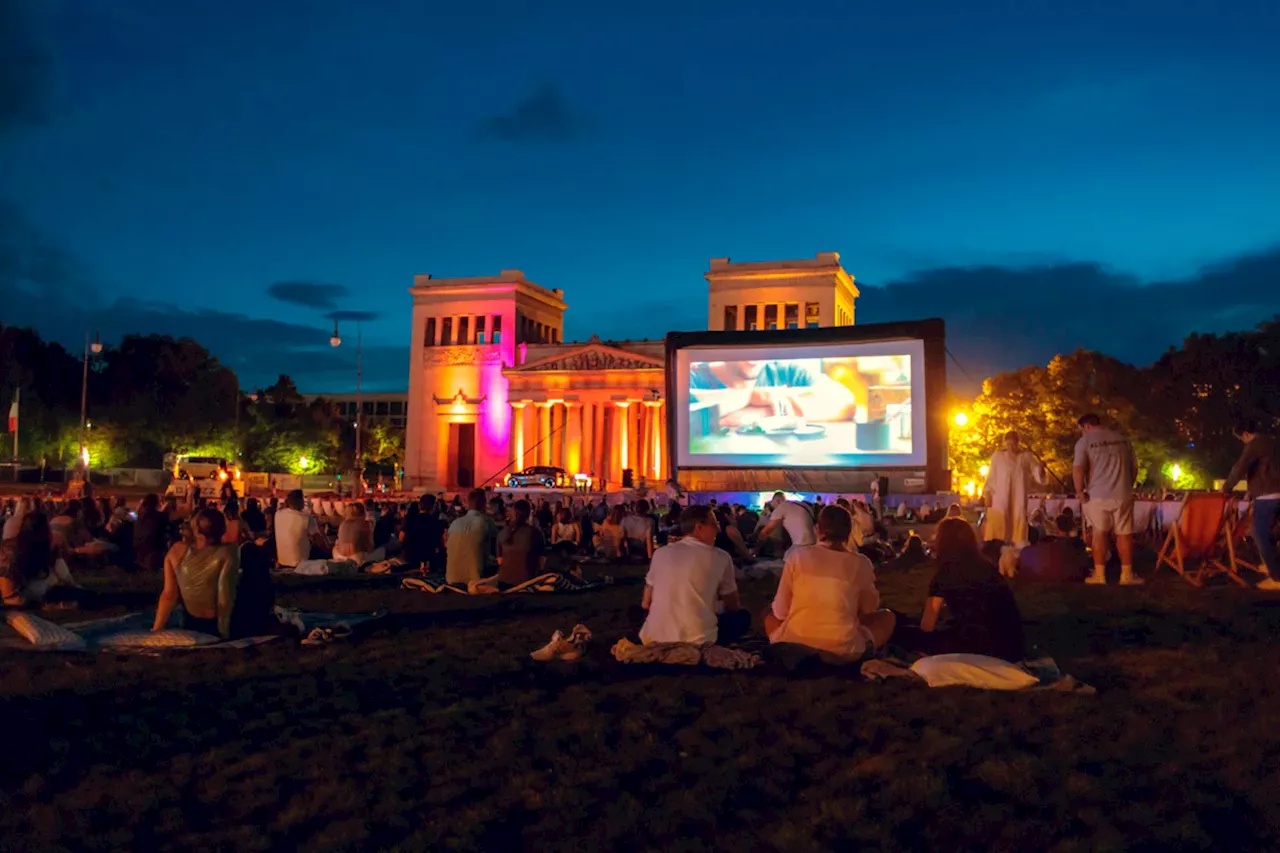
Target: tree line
[153,395]
[1179,411]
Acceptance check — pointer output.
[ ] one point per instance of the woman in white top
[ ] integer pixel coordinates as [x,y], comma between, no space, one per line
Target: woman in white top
[827,598]
[565,533]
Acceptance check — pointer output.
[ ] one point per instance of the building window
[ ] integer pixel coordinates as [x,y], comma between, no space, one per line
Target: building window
[380,407]
[497,328]
[464,330]
[750,318]
[792,315]
[811,315]
[771,316]
[429,338]
[480,330]
[446,331]
[368,407]
[397,407]
[730,318]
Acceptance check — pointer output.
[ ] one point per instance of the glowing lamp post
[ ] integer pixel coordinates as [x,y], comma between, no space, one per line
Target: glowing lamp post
[335,342]
[89,348]
[302,463]
[961,419]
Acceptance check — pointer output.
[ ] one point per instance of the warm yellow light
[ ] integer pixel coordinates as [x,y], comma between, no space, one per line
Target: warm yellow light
[961,418]
[1176,471]
[984,470]
[222,475]
[84,456]
[302,460]
[970,488]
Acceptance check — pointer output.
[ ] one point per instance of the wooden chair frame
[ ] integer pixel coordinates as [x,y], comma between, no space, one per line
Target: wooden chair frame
[1211,562]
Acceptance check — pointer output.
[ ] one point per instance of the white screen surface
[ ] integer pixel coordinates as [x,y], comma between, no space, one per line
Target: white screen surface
[829,405]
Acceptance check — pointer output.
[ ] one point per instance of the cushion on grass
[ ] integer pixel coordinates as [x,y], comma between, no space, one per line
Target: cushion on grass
[169,638]
[42,632]
[972,671]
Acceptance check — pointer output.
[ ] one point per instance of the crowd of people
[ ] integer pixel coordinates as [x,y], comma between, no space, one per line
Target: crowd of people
[216,554]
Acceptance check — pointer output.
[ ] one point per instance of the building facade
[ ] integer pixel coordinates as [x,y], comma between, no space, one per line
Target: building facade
[494,388]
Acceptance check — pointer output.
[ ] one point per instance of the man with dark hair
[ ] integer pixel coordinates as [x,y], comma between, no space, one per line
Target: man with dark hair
[686,582]
[423,533]
[467,541]
[1259,466]
[297,533]
[1104,471]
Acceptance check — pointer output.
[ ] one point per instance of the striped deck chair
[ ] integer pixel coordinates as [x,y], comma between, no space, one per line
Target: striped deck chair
[1197,537]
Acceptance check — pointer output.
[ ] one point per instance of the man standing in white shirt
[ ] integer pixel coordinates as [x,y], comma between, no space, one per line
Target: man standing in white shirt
[1104,471]
[687,581]
[791,517]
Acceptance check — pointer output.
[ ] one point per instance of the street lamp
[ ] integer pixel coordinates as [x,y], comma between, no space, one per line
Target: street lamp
[95,347]
[961,419]
[335,342]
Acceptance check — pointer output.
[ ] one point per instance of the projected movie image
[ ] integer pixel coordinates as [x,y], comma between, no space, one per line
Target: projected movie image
[826,410]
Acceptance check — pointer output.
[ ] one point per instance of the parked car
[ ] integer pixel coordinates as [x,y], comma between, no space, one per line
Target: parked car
[544,476]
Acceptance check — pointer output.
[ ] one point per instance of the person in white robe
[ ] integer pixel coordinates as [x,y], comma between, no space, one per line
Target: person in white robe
[1009,475]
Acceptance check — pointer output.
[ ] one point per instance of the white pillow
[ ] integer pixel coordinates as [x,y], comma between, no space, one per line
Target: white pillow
[169,638]
[972,671]
[42,632]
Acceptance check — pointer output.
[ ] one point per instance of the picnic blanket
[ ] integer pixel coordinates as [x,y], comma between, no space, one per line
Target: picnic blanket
[759,569]
[548,582]
[322,568]
[979,671]
[685,654]
[132,632]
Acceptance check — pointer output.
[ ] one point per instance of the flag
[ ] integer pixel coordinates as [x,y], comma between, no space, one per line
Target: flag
[13,413]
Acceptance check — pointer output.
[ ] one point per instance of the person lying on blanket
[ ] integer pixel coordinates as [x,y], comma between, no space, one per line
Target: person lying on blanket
[827,598]
[690,594]
[204,579]
[29,564]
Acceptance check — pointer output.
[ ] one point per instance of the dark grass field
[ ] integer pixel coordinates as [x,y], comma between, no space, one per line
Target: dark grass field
[437,732]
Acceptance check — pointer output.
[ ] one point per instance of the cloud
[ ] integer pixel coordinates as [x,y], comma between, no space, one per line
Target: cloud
[26,70]
[543,117]
[308,294]
[1001,318]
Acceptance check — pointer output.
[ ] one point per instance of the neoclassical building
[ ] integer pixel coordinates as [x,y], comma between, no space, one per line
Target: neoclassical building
[494,388]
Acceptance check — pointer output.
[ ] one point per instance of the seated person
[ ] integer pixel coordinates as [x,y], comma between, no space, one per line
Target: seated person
[983,615]
[520,547]
[608,541]
[565,534]
[827,598]
[690,594]
[204,579]
[297,534]
[29,564]
[1060,557]
[253,615]
[355,537]
[911,555]
[638,532]
[730,538]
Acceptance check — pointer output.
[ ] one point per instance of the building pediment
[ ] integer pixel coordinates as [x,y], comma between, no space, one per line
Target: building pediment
[594,355]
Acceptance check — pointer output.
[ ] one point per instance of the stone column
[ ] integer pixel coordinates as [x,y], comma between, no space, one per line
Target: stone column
[562,440]
[517,434]
[600,443]
[573,438]
[588,436]
[623,431]
[544,432]
[653,441]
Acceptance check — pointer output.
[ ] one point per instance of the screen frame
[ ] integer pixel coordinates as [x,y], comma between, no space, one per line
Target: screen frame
[931,332]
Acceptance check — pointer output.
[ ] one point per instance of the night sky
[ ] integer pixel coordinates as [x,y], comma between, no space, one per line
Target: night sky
[1044,175]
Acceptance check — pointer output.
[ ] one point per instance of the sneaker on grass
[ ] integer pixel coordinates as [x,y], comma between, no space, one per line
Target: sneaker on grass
[1096,578]
[1269,585]
[1131,580]
[548,652]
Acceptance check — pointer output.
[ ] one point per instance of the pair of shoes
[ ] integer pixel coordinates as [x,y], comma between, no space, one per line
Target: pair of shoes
[564,648]
[1131,580]
[1269,585]
[1096,578]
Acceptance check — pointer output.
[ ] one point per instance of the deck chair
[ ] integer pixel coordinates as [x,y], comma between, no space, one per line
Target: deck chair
[1238,531]
[1198,536]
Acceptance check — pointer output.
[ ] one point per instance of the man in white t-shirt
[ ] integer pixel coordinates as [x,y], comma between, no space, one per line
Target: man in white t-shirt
[1104,471]
[294,531]
[688,582]
[791,517]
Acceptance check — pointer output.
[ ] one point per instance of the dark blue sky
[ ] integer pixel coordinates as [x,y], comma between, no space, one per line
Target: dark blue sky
[1045,175]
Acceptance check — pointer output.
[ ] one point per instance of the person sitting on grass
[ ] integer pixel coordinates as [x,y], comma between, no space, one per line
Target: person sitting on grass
[1059,557]
[355,537]
[690,594]
[638,532]
[911,555]
[983,615]
[467,541]
[565,534]
[609,534]
[730,539]
[827,598]
[30,566]
[204,580]
[521,547]
[255,594]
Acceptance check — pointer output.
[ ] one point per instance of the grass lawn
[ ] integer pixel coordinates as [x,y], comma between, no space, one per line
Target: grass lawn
[438,732]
